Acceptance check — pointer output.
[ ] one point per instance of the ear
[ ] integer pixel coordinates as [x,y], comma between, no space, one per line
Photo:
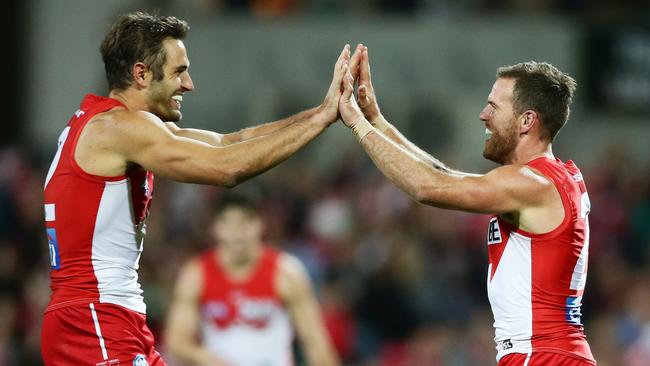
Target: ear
[528,119]
[140,73]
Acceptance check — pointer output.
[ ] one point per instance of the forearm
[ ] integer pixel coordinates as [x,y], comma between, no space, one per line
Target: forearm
[322,354]
[402,167]
[266,128]
[218,139]
[254,156]
[393,134]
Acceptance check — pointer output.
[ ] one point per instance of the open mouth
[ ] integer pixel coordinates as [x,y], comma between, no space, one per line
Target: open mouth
[178,99]
[488,134]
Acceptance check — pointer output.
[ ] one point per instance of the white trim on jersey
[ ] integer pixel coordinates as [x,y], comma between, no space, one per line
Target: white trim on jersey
[57,156]
[579,276]
[115,249]
[98,331]
[50,212]
[510,294]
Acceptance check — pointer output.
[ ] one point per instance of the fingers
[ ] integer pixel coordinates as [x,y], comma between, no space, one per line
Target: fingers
[355,60]
[341,64]
[364,75]
[362,95]
[348,84]
[343,57]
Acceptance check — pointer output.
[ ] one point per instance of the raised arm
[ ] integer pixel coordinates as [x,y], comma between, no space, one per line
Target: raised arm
[121,137]
[217,139]
[183,319]
[296,290]
[367,101]
[508,189]
[327,111]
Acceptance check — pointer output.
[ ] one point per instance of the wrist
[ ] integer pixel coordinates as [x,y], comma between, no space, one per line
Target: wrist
[322,115]
[361,128]
[380,123]
[319,116]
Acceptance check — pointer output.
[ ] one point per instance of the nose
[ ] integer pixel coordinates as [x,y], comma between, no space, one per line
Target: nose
[485,113]
[186,82]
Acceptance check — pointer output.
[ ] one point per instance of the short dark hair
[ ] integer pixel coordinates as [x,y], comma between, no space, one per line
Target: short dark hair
[541,87]
[244,202]
[138,37]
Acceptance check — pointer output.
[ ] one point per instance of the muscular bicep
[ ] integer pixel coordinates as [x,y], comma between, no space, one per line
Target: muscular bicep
[209,137]
[152,145]
[507,189]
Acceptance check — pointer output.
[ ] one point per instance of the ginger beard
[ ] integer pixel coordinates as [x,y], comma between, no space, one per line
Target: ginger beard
[501,143]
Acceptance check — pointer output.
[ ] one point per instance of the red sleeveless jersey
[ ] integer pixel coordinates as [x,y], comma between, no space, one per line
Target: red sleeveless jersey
[244,321]
[536,281]
[95,225]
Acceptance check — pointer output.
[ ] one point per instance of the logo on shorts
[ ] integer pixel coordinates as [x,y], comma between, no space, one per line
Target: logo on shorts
[506,344]
[140,360]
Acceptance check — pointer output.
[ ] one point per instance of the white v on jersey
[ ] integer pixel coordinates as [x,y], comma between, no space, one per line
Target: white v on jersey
[536,281]
[95,225]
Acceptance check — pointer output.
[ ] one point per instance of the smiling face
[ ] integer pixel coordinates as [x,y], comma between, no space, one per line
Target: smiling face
[501,129]
[238,232]
[165,96]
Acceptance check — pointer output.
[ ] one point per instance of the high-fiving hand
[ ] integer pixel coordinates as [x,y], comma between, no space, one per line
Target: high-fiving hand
[360,70]
[362,110]
[329,107]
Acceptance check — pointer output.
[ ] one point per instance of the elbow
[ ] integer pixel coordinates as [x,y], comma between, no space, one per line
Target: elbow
[229,182]
[232,178]
[419,194]
[423,194]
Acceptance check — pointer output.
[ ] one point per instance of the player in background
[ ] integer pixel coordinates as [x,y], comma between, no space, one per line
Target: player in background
[538,239]
[239,302]
[100,185]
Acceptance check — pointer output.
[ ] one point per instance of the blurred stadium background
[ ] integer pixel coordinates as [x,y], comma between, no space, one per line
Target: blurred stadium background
[400,283]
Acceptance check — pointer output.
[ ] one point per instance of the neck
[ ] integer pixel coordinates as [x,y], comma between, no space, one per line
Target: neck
[132,99]
[238,261]
[529,149]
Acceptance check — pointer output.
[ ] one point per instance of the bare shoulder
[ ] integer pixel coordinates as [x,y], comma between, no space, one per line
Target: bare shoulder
[119,129]
[522,182]
[128,123]
[191,269]
[190,278]
[291,276]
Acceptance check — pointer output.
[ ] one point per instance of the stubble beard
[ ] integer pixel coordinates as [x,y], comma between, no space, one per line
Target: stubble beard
[501,145]
[159,104]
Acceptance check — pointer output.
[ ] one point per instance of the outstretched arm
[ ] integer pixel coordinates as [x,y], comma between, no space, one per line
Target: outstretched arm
[218,139]
[143,139]
[296,291]
[507,189]
[367,101]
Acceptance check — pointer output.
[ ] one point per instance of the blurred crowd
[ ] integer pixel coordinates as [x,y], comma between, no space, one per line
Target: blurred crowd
[267,9]
[400,284]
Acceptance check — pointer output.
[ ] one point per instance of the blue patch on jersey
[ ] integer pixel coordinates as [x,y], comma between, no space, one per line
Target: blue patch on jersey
[53,244]
[140,360]
[573,312]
